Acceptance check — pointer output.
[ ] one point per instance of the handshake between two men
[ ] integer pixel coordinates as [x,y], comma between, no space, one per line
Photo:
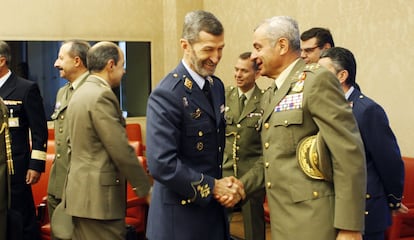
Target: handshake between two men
[229,191]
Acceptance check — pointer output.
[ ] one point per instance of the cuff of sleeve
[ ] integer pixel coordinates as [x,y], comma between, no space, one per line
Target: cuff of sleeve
[393,202]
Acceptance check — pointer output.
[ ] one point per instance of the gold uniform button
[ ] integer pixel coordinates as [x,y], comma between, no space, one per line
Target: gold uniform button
[266,125]
[286,122]
[238,136]
[117,181]
[269,185]
[391,205]
[175,75]
[266,145]
[368,196]
[200,133]
[183,202]
[58,155]
[267,164]
[315,194]
[398,205]
[62,117]
[238,125]
[366,212]
[200,146]
[60,130]
[237,158]
[237,148]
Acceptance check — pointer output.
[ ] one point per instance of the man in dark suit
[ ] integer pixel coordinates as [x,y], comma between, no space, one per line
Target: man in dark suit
[71,63]
[306,99]
[243,144]
[185,141]
[100,157]
[313,41]
[385,168]
[26,115]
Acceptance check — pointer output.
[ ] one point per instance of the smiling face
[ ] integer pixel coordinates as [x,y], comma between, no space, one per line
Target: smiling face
[204,55]
[245,74]
[266,54]
[66,63]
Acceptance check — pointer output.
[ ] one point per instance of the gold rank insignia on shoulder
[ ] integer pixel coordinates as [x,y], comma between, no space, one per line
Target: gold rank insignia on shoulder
[188,84]
[312,66]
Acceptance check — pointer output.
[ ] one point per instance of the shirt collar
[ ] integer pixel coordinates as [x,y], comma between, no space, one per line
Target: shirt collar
[102,80]
[197,78]
[4,78]
[248,94]
[75,84]
[349,92]
[284,74]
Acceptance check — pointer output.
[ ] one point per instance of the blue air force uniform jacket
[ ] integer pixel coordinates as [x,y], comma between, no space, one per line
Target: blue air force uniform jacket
[185,142]
[385,168]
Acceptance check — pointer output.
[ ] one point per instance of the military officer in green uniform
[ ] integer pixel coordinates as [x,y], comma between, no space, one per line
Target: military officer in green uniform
[243,144]
[71,63]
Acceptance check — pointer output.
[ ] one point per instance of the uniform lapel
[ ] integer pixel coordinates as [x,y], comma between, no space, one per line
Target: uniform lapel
[252,104]
[8,87]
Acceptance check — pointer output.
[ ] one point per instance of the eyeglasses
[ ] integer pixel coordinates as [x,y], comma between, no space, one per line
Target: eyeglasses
[309,50]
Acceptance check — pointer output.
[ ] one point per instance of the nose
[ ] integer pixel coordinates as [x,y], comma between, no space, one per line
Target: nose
[253,56]
[56,64]
[303,54]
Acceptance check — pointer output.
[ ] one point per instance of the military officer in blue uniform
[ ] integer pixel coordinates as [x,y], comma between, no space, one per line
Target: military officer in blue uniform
[4,198]
[243,144]
[385,168]
[185,141]
[26,115]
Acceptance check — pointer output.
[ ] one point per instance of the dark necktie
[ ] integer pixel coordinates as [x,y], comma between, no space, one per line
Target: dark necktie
[207,92]
[69,92]
[242,99]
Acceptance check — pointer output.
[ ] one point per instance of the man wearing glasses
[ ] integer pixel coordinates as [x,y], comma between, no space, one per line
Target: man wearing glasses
[313,42]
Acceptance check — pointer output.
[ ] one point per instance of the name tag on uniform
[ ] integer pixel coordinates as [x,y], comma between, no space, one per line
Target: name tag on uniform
[13,122]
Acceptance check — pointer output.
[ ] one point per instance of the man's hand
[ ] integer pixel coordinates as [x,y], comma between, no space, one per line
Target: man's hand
[402,210]
[349,235]
[32,176]
[229,191]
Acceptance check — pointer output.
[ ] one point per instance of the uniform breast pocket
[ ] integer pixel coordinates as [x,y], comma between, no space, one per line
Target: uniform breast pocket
[15,113]
[287,118]
[198,136]
[252,121]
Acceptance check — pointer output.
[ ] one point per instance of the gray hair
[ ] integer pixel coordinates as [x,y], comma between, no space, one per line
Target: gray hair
[99,55]
[79,49]
[197,21]
[5,51]
[283,26]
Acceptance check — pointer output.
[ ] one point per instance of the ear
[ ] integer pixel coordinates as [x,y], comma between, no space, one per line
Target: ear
[326,46]
[110,65]
[2,61]
[185,45]
[342,76]
[78,61]
[283,45]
